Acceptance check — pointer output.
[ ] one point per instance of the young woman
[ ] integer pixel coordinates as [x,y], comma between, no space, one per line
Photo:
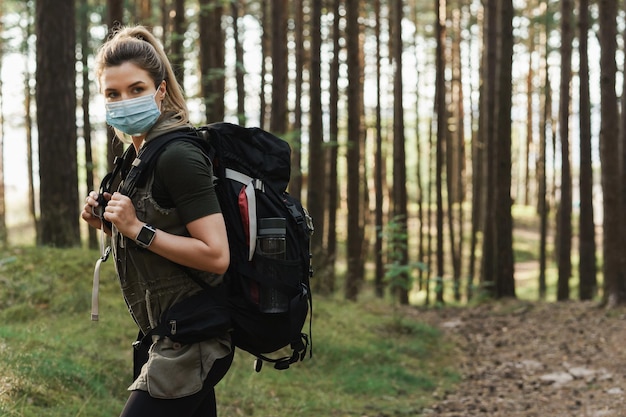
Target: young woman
[164,230]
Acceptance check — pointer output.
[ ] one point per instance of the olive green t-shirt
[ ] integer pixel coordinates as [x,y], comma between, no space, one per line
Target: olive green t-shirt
[184,179]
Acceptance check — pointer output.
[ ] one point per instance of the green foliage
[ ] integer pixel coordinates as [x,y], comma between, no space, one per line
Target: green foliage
[398,270]
[364,362]
[53,357]
[56,362]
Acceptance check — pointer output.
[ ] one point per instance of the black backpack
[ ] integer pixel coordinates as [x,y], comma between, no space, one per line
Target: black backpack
[269,231]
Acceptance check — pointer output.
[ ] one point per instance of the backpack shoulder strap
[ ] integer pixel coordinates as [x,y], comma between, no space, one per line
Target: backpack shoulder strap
[121,164]
[148,156]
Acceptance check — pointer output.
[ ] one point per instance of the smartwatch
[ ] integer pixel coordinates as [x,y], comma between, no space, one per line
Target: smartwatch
[145,236]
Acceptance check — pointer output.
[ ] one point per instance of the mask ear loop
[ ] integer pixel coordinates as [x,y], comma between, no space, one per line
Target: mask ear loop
[158,90]
[95,289]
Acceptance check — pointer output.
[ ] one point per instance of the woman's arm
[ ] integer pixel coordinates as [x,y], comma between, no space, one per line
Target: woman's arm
[207,248]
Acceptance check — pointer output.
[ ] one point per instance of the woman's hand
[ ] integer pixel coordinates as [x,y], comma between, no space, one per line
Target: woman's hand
[93,211]
[121,212]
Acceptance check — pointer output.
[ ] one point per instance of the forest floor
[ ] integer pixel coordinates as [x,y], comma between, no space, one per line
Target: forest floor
[529,359]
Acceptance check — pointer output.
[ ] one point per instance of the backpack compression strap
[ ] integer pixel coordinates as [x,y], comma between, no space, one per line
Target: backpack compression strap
[247,204]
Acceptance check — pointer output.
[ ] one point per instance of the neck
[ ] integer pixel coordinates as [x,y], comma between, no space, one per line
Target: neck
[138,141]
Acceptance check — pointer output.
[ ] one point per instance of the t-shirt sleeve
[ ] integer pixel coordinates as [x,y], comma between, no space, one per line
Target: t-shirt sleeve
[184,179]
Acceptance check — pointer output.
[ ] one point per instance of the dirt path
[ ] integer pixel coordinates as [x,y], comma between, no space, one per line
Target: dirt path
[522,359]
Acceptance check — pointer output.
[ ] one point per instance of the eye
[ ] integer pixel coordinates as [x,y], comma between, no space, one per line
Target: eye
[112,95]
[138,90]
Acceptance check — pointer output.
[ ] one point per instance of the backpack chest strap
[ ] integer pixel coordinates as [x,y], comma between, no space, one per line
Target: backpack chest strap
[248,207]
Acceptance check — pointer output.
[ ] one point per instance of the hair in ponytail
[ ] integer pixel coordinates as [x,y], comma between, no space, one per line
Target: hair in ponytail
[137,45]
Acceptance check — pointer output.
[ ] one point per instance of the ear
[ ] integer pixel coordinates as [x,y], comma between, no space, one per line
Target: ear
[162,89]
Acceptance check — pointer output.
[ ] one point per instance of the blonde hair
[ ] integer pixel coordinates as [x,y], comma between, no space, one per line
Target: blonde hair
[137,45]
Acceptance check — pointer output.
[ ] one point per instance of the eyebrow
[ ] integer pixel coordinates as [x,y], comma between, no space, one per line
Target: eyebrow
[135,84]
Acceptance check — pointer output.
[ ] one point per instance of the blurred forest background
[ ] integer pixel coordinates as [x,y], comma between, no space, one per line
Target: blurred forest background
[427,135]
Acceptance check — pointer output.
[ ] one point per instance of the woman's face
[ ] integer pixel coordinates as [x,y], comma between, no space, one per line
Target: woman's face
[128,81]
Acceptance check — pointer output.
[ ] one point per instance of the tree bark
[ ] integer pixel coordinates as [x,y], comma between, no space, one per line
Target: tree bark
[265,41]
[28,122]
[143,13]
[56,122]
[613,247]
[505,279]
[353,154]
[564,213]
[400,209]
[456,153]
[316,191]
[239,65]
[85,104]
[478,170]
[115,18]
[442,129]
[328,280]
[212,59]
[488,119]
[296,182]
[179,27]
[379,271]
[280,79]
[543,202]
[587,268]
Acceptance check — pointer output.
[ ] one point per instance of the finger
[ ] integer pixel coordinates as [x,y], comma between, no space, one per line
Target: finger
[92,199]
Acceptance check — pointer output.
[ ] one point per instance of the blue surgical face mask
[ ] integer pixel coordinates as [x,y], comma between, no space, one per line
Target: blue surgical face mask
[133,116]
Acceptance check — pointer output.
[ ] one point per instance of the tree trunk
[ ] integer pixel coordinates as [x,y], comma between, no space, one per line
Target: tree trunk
[166,9]
[530,117]
[280,79]
[265,40]
[328,280]
[212,59]
[28,121]
[419,163]
[85,103]
[613,248]
[564,214]
[115,18]
[143,13]
[587,268]
[543,202]
[442,128]
[296,183]
[400,211]
[353,153]
[239,65]
[379,271]
[316,189]
[505,279]
[488,119]
[179,27]
[456,153]
[478,163]
[56,122]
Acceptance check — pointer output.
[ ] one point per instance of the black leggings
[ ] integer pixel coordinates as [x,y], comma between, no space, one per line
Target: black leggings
[200,404]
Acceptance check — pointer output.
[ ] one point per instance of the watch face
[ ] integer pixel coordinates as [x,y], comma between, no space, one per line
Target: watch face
[145,236]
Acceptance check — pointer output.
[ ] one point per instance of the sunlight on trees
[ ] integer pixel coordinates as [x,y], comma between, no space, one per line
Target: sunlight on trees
[454,115]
